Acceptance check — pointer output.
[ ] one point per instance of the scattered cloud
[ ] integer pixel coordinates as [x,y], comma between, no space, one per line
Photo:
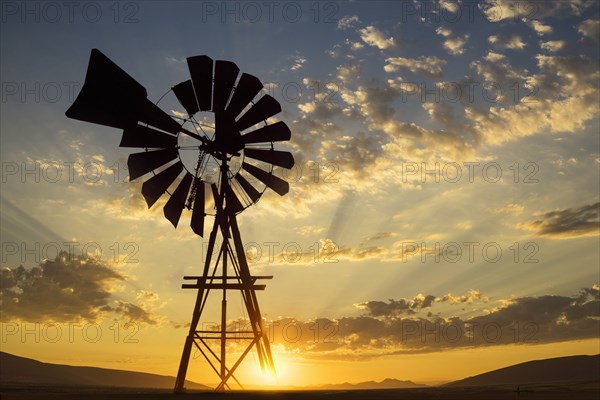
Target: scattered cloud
[590,28]
[553,45]
[512,209]
[456,45]
[298,63]
[132,312]
[348,73]
[394,308]
[446,32]
[308,230]
[470,297]
[394,328]
[507,41]
[540,28]
[348,22]
[498,10]
[68,288]
[397,307]
[453,44]
[376,38]
[378,236]
[561,97]
[430,66]
[568,223]
[327,252]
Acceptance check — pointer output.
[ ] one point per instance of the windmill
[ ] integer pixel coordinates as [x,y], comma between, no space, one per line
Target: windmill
[233,164]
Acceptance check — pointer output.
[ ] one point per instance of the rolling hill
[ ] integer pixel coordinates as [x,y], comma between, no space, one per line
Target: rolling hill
[385,384]
[25,371]
[15,369]
[561,369]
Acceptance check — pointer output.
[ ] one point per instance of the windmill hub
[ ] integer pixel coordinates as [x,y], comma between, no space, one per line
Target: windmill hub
[227,137]
[199,168]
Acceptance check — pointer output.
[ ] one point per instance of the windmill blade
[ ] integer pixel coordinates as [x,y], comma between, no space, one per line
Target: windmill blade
[185,94]
[149,113]
[245,90]
[266,107]
[154,187]
[174,206]
[201,71]
[277,184]
[233,204]
[146,161]
[145,137]
[108,95]
[198,211]
[277,132]
[225,74]
[282,159]
[248,188]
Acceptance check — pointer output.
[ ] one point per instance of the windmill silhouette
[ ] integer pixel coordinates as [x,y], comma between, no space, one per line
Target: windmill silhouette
[241,142]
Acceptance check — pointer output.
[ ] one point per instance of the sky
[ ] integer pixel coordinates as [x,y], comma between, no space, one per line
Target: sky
[443,212]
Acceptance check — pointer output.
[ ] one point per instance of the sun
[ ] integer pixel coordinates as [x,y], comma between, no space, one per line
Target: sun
[283,367]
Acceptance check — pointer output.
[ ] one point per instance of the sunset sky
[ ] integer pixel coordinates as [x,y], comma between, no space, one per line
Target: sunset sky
[443,213]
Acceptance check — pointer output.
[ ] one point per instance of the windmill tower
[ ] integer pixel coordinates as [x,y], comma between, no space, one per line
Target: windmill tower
[232,165]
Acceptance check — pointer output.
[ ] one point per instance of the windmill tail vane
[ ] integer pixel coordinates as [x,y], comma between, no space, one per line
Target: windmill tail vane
[241,143]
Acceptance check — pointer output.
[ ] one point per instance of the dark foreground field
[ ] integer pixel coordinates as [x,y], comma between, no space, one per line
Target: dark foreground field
[570,391]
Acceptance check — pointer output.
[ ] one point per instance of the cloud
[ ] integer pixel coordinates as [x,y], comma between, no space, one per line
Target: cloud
[443,31]
[298,63]
[568,223]
[442,113]
[540,28]
[386,329]
[374,37]
[348,22]
[67,288]
[327,252]
[430,66]
[456,45]
[470,297]
[414,142]
[453,44]
[561,97]
[507,41]
[373,102]
[378,236]
[357,46]
[132,312]
[590,28]
[365,135]
[309,230]
[396,307]
[553,45]
[348,73]
[412,306]
[495,68]
[498,10]
[402,140]
[512,208]
[452,6]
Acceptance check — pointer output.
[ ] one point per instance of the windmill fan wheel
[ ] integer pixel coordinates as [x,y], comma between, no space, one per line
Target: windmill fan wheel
[240,141]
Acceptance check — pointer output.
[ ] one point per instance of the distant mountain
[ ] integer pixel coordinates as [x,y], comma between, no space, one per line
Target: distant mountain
[15,369]
[385,384]
[573,368]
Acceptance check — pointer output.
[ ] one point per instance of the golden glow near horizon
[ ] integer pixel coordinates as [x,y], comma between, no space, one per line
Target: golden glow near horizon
[442,219]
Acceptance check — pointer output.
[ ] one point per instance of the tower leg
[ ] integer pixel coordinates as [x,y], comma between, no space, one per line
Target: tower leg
[189,340]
